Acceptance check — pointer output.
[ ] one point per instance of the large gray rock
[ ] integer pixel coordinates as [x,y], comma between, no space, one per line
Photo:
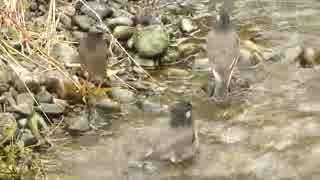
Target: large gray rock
[151,41]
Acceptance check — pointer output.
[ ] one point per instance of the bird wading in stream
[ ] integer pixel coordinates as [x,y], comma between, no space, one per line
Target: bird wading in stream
[179,142]
[223,52]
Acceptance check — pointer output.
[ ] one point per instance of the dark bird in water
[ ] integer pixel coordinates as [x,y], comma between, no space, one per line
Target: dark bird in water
[223,52]
[93,55]
[179,142]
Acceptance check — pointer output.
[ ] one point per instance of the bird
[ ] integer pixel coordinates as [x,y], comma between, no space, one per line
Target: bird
[223,53]
[93,55]
[179,141]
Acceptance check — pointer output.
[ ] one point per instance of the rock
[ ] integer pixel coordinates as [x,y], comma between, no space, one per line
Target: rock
[175,73]
[78,123]
[44,96]
[38,126]
[69,10]
[52,109]
[25,98]
[102,10]
[151,107]
[24,104]
[8,127]
[63,87]
[187,25]
[187,49]
[84,22]
[23,109]
[123,32]
[27,137]
[171,56]
[106,106]
[202,64]
[25,78]
[22,123]
[120,21]
[130,42]
[146,63]
[78,35]
[307,57]
[151,41]
[66,21]
[122,95]
[64,53]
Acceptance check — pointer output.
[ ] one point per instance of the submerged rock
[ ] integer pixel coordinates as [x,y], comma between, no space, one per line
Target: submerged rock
[78,123]
[107,106]
[187,25]
[187,49]
[151,41]
[175,73]
[122,95]
[307,57]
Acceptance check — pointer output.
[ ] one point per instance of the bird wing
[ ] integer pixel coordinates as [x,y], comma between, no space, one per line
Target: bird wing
[223,47]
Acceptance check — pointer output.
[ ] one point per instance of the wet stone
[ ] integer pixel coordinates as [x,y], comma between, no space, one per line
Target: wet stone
[123,32]
[101,9]
[106,106]
[51,109]
[78,123]
[25,98]
[146,63]
[27,137]
[44,96]
[84,22]
[122,95]
[120,21]
[64,53]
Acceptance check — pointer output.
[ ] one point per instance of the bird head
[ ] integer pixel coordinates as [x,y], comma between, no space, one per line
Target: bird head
[223,20]
[181,114]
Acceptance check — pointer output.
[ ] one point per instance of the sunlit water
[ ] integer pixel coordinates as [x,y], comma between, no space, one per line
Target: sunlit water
[271,132]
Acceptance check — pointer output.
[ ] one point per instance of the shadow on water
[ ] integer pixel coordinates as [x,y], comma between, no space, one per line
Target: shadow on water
[270,133]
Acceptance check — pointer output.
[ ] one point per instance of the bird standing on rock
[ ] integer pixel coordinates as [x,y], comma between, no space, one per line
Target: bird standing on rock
[223,53]
[93,55]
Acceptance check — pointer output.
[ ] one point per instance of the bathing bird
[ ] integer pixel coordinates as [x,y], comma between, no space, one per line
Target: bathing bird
[179,141]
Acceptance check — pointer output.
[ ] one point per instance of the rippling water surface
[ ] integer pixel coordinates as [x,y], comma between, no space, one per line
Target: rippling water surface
[271,134]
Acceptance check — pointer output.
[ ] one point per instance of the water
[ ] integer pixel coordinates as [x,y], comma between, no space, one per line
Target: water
[271,132]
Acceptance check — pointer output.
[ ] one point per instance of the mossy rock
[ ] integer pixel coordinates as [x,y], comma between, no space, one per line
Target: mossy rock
[151,41]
